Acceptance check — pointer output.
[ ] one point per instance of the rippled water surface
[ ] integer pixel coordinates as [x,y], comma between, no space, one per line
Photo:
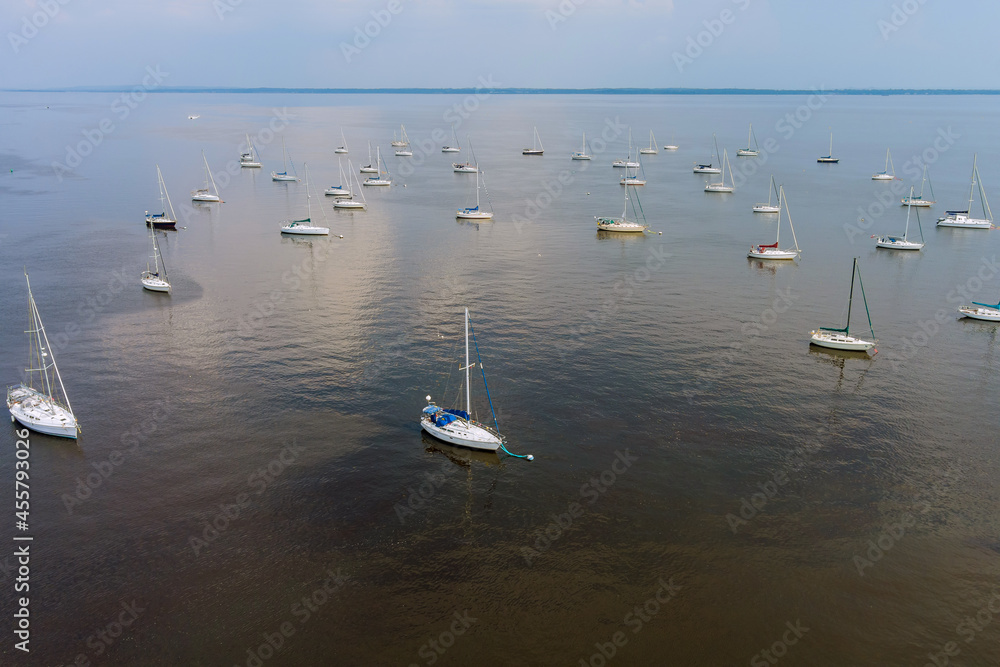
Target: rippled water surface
[271,476]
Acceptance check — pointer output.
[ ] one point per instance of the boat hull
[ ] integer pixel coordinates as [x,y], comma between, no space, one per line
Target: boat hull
[670,148]
[923,203]
[532,151]
[964,222]
[350,204]
[581,156]
[632,181]
[622,164]
[305,230]
[474,215]
[376,182]
[892,243]
[746,152]
[463,434]
[765,208]
[838,341]
[883,177]
[340,151]
[282,177]
[980,313]
[161,224]
[368,170]
[828,160]
[206,198]
[707,170]
[404,153]
[772,254]
[337,192]
[154,284]
[717,187]
[38,412]
[451,149]
[647,151]
[612,225]
[463,168]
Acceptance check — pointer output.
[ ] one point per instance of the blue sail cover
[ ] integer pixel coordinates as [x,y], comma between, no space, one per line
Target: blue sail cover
[431,409]
[443,419]
[461,413]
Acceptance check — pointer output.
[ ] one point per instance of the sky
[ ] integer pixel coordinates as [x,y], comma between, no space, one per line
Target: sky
[790,44]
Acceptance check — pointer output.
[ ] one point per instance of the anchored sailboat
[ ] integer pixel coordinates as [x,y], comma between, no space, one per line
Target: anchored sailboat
[623,224]
[250,158]
[752,149]
[628,162]
[829,158]
[919,199]
[708,168]
[652,146]
[773,251]
[768,207]
[342,148]
[452,149]
[304,227]
[582,154]
[536,145]
[886,174]
[841,339]
[377,178]
[340,190]
[350,201]
[457,427]
[41,404]
[403,139]
[896,243]
[989,312]
[162,220]
[153,280]
[284,175]
[369,168]
[206,194]
[721,186]
[964,218]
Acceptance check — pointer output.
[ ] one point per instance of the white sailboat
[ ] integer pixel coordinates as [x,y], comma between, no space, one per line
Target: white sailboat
[340,190]
[721,185]
[628,162]
[841,339]
[829,158]
[632,177]
[989,312]
[623,224]
[377,178]
[671,146]
[464,167]
[582,154]
[896,243]
[457,427]
[162,220]
[964,218]
[369,168]
[752,149]
[652,146]
[773,251]
[304,227]
[768,207]
[403,140]
[206,194]
[153,280]
[476,213]
[537,148]
[350,202]
[41,404]
[452,149]
[886,174]
[919,200]
[709,168]
[342,148]
[284,175]
[250,158]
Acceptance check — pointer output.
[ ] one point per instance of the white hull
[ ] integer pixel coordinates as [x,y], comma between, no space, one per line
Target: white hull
[981,313]
[670,147]
[282,177]
[251,164]
[828,160]
[38,412]
[765,208]
[451,149]
[304,230]
[632,181]
[205,198]
[404,153]
[463,434]
[647,151]
[376,181]
[707,170]
[772,253]
[154,284]
[532,151]
[399,144]
[883,177]
[350,203]
[924,203]
[340,151]
[337,192]
[611,225]
[964,222]
[581,156]
[464,168]
[467,214]
[625,163]
[744,152]
[718,187]
[838,341]
[368,170]
[893,243]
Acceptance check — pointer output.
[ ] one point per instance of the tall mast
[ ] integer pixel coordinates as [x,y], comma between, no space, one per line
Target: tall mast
[468,393]
[777,238]
[909,205]
[850,299]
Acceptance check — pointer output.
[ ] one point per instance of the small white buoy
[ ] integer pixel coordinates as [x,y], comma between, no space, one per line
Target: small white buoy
[660,233]
[531,457]
[588,194]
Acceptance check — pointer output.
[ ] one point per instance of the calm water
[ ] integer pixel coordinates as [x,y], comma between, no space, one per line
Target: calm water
[282,380]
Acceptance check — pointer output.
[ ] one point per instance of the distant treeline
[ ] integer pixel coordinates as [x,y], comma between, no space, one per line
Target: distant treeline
[522,91]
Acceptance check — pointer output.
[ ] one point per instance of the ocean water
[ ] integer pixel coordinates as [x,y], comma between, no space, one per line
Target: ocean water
[705,486]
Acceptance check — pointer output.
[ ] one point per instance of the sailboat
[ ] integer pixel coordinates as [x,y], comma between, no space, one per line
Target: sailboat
[162,220]
[582,154]
[633,177]
[623,224]
[885,174]
[896,243]
[377,178]
[752,149]
[464,167]
[773,251]
[452,149]
[304,227]
[841,339]
[457,427]
[627,162]
[284,175]
[206,194]
[721,186]
[964,218]
[708,168]
[369,168]
[152,279]
[41,405]
[982,311]
[829,158]
[403,139]
[250,158]
[536,148]
[350,202]
[671,146]
[768,207]
[652,146]
[919,199]
[342,148]
[476,213]
[340,190]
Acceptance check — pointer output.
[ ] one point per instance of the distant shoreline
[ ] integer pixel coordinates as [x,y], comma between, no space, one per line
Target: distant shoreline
[514,91]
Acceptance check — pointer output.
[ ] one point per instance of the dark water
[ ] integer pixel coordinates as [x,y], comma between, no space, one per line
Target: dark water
[276,392]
